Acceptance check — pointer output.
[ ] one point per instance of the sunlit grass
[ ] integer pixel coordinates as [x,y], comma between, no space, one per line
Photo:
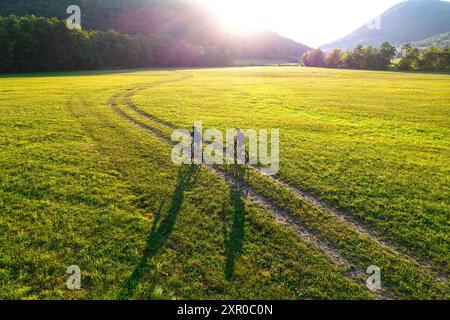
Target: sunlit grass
[375,144]
[80,185]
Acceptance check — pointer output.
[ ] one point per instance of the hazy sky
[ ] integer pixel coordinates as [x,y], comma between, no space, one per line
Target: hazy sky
[312,22]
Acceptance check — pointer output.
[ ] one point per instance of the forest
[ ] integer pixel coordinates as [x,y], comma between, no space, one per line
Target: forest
[387,57]
[31,43]
[146,33]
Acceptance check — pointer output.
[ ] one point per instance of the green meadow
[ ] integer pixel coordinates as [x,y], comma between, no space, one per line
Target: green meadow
[86,179]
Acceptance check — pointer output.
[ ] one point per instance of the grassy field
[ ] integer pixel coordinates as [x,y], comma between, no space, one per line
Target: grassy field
[364,180]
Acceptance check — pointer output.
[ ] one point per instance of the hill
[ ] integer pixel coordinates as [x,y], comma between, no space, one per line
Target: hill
[180,21]
[440,40]
[408,21]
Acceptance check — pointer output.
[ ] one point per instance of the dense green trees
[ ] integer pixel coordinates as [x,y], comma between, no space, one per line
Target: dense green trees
[431,59]
[385,55]
[313,58]
[32,43]
[362,57]
[335,59]
[410,58]
[179,22]
[371,58]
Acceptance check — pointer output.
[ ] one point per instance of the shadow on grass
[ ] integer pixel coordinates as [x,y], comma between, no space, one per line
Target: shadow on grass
[235,240]
[162,229]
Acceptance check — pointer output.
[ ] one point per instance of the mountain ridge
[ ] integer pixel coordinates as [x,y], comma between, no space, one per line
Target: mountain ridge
[182,21]
[441,40]
[408,21]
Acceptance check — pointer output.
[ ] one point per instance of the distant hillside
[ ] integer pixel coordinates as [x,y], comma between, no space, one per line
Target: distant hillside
[179,20]
[441,40]
[408,21]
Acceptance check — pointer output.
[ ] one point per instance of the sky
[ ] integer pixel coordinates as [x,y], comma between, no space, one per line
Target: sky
[311,22]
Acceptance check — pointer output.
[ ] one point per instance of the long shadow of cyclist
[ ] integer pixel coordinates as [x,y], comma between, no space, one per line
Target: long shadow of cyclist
[234,241]
[162,229]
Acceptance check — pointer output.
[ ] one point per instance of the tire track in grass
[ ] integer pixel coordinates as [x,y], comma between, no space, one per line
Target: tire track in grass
[162,130]
[277,214]
[342,216]
[314,201]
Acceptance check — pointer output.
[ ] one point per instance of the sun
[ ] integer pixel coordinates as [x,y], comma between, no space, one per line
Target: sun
[239,17]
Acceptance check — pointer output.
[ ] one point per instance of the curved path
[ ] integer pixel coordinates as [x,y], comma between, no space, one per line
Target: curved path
[130,112]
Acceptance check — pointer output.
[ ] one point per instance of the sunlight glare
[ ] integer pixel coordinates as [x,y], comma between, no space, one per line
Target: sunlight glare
[312,22]
[238,17]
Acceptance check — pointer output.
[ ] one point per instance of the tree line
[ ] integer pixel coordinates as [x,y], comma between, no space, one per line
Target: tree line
[30,43]
[386,57]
